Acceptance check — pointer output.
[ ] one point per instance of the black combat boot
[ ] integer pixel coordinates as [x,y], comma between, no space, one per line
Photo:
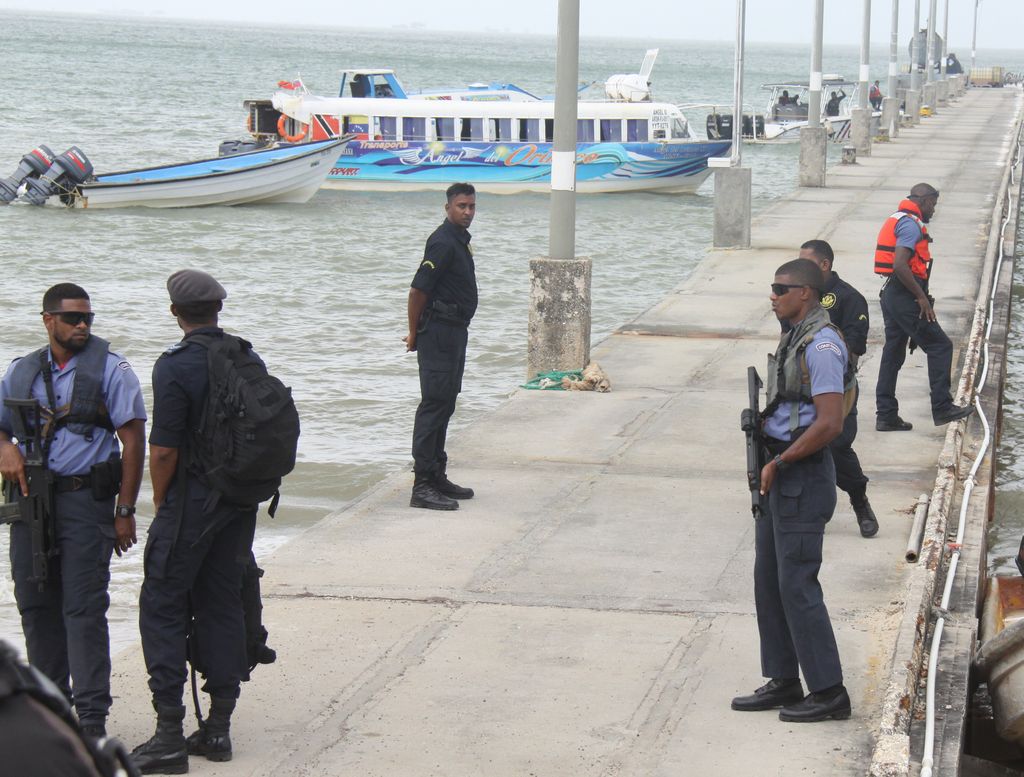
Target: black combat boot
[446,487]
[425,494]
[212,739]
[865,515]
[165,752]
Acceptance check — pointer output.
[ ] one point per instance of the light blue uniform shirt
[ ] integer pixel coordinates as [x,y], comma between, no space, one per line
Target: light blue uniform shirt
[70,453]
[826,363]
[908,233]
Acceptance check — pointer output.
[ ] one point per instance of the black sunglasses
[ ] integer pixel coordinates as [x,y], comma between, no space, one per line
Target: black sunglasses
[72,318]
[779,289]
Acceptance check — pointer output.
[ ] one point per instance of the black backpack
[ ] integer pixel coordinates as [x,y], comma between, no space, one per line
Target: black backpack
[249,428]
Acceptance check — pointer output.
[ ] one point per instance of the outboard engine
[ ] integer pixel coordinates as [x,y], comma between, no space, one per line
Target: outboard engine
[34,163]
[67,171]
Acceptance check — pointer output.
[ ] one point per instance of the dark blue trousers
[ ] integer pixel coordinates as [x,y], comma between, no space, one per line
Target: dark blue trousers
[850,475]
[902,317]
[65,624]
[441,352]
[793,623]
[201,562]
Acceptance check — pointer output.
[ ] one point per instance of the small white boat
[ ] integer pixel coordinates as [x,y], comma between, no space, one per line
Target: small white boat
[285,174]
[496,136]
[1000,660]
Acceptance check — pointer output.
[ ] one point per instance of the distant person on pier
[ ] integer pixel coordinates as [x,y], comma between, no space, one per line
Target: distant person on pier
[832,106]
[903,257]
[875,96]
[89,400]
[442,301]
[953,66]
[848,310]
[806,379]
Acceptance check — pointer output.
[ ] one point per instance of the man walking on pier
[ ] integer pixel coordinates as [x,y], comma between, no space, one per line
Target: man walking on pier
[804,414]
[848,311]
[442,301]
[903,257]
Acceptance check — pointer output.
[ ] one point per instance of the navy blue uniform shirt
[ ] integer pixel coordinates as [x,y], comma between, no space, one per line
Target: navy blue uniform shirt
[848,310]
[447,272]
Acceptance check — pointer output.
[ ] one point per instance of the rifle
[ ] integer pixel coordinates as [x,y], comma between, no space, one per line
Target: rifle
[36,510]
[750,423]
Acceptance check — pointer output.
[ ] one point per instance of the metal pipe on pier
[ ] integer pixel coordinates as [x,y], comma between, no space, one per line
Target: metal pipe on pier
[864,76]
[814,93]
[563,156]
[945,40]
[813,141]
[915,54]
[974,35]
[930,44]
[894,43]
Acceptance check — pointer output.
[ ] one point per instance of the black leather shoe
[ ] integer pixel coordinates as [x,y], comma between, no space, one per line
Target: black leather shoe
[774,693]
[865,516]
[446,487]
[896,424]
[955,413]
[819,706]
[425,494]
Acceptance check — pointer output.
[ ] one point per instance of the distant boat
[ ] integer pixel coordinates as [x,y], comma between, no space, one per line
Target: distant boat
[286,174]
[496,136]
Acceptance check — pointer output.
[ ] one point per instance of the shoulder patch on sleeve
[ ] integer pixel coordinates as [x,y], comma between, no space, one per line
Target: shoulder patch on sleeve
[171,350]
[827,345]
[123,365]
[428,264]
[862,317]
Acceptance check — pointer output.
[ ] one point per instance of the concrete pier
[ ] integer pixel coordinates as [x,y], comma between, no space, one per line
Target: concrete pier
[558,331]
[732,207]
[590,611]
[813,155]
[860,130]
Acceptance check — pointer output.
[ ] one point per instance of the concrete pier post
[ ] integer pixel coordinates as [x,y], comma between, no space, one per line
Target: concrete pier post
[813,148]
[732,207]
[558,331]
[860,130]
[891,116]
[928,96]
[912,108]
[942,93]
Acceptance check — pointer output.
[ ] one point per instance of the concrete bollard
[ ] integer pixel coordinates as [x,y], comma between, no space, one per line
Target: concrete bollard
[912,111]
[849,155]
[928,96]
[558,332]
[732,207]
[942,93]
[890,116]
[860,130]
[813,146]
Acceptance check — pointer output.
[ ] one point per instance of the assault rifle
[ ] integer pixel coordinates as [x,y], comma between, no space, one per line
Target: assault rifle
[750,423]
[36,509]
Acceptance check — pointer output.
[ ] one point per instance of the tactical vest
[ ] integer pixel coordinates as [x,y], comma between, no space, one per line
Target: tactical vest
[88,410]
[885,248]
[789,379]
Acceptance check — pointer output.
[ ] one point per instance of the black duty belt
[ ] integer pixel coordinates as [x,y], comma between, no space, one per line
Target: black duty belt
[68,483]
[447,313]
[777,447]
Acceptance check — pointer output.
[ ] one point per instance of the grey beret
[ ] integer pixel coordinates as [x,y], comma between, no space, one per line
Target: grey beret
[187,286]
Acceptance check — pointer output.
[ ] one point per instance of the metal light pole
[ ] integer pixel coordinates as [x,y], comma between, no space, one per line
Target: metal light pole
[915,54]
[930,44]
[945,39]
[814,94]
[974,36]
[737,94]
[894,42]
[733,182]
[865,55]
[813,142]
[563,155]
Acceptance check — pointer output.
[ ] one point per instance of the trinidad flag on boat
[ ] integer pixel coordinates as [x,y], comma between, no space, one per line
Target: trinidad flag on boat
[291,85]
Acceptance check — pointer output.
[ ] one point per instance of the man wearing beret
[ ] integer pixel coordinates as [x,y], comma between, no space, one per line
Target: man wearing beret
[196,550]
[89,400]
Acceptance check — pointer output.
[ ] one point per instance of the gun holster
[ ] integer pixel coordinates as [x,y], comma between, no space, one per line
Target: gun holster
[106,478]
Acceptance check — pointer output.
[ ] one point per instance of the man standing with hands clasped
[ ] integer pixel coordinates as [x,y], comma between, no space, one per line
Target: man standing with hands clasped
[804,413]
[442,301]
[903,257]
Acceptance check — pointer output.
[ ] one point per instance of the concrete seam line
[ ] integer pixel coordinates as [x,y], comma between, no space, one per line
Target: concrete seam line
[901,692]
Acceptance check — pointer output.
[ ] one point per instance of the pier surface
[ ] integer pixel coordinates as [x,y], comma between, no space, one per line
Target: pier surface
[590,611]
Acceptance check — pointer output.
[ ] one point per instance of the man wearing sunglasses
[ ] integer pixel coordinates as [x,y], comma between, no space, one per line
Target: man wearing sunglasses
[798,485]
[90,399]
[903,258]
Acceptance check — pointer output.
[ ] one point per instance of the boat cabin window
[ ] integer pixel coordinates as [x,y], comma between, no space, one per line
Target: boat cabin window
[414,128]
[445,128]
[529,130]
[679,129]
[585,130]
[611,130]
[387,128]
[359,125]
[636,130]
[363,85]
[359,86]
[472,129]
[501,129]
[549,130]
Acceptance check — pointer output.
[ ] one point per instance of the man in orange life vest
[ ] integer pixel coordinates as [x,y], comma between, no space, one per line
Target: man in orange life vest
[903,256]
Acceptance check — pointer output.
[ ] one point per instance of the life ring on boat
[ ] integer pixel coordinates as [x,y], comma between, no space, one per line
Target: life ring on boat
[248,125]
[282,130]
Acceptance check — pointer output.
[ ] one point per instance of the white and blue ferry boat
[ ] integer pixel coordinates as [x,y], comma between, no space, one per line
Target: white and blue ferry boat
[496,136]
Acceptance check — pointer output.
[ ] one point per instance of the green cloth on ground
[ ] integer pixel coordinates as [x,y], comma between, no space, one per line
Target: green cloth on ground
[551,380]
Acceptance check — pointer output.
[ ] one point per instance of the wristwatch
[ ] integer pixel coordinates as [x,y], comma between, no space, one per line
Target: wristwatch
[125,511]
[780,465]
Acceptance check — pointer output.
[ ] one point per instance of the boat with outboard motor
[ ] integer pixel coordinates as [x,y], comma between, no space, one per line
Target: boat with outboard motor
[286,174]
[496,136]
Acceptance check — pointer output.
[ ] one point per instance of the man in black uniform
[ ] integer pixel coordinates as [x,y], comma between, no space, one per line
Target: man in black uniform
[89,399]
[196,552]
[442,302]
[848,310]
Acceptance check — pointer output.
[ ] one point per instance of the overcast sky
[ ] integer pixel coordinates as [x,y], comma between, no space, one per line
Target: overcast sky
[767,20]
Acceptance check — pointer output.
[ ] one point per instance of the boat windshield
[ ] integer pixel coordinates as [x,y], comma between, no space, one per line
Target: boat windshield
[680,128]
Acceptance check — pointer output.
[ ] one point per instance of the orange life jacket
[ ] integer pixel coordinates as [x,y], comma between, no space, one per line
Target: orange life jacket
[885,248]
